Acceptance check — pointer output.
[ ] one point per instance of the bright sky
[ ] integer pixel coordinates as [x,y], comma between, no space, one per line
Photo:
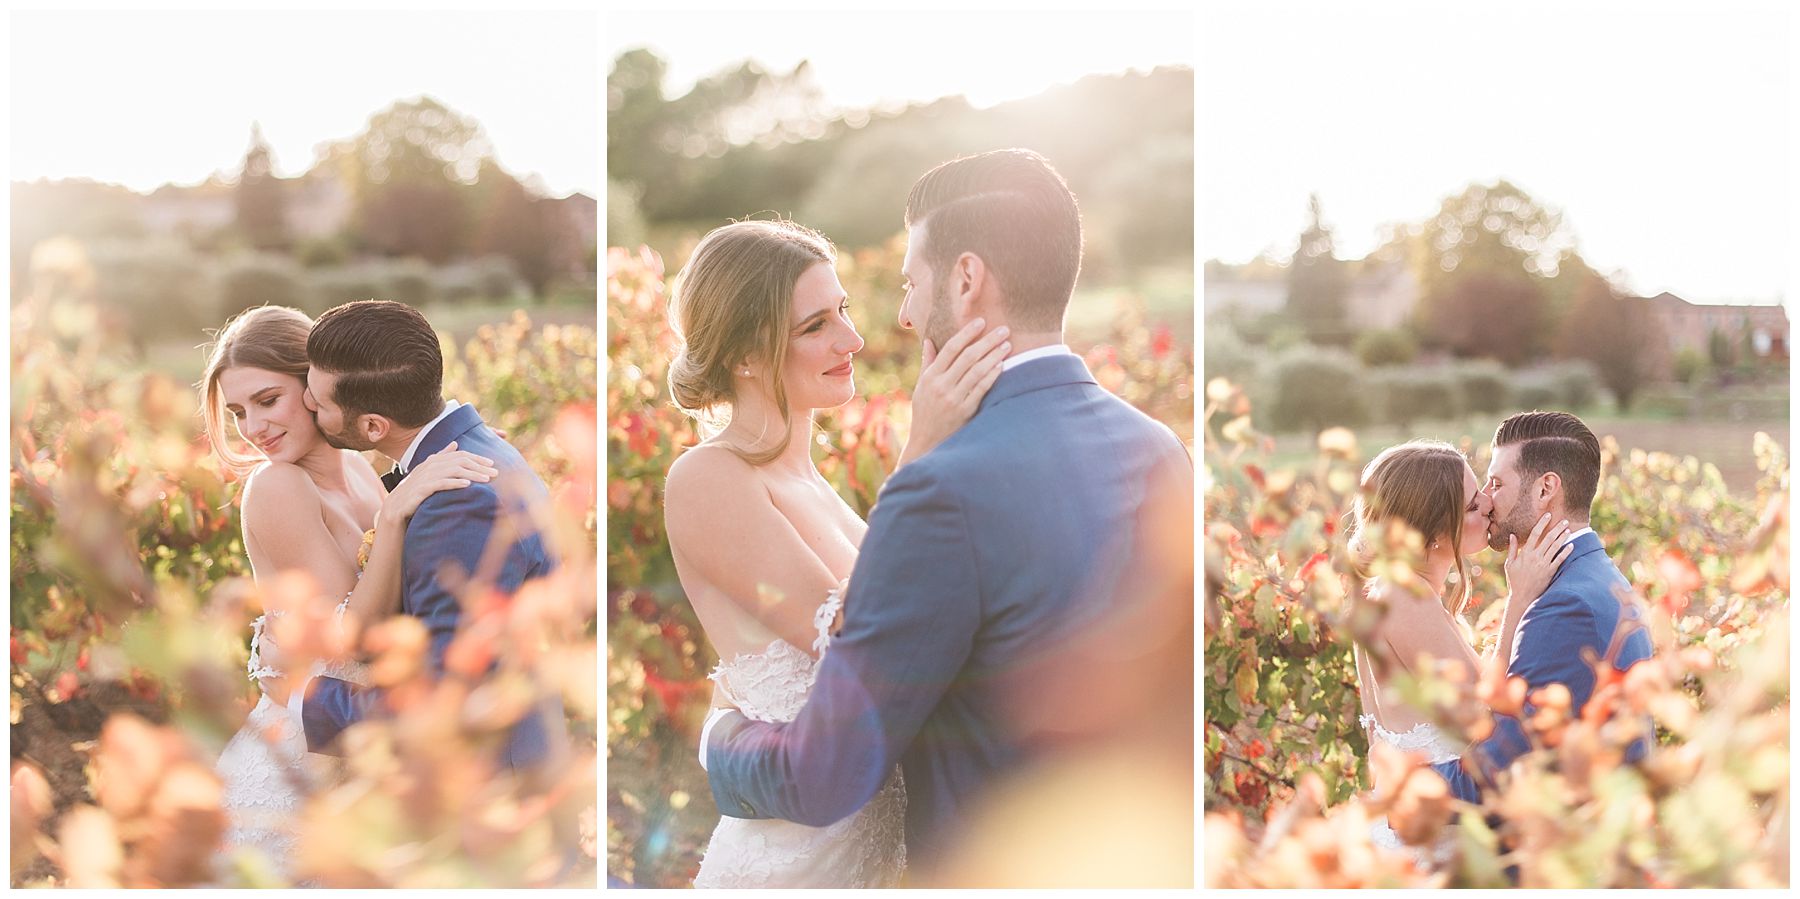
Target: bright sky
[143,98]
[863,58]
[1660,135]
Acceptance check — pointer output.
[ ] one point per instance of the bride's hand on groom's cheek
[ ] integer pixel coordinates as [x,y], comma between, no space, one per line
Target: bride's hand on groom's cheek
[952,382]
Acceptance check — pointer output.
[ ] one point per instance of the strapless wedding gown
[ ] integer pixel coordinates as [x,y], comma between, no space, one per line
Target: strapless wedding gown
[1437,748]
[265,769]
[867,849]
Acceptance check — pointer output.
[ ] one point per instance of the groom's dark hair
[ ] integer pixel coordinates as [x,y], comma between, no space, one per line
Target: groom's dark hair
[387,360]
[1559,442]
[1013,210]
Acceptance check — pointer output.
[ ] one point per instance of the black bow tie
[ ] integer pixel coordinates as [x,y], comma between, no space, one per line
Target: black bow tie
[393,478]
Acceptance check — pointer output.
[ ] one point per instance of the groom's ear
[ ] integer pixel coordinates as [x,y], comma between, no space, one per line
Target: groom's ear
[970,281]
[375,427]
[1550,486]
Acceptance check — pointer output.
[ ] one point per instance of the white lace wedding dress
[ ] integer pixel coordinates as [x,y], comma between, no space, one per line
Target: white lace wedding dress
[1436,747]
[867,849]
[265,768]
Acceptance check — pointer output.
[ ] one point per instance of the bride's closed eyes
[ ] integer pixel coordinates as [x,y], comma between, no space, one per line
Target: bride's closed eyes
[267,403]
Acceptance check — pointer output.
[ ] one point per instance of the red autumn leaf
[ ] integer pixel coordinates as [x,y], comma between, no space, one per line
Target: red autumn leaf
[1161,341]
[1312,563]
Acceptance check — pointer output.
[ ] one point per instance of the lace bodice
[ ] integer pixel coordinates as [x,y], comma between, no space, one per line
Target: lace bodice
[867,849]
[1424,738]
[771,685]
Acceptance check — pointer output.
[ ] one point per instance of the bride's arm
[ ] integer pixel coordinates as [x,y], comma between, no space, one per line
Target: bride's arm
[723,523]
[284,515]
[376,595]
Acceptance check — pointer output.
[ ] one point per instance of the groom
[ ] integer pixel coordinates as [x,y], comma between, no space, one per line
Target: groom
[1550,462]
[981,555]
[376,382]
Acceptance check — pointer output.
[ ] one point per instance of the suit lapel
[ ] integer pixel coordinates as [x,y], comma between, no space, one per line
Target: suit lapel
[453,426]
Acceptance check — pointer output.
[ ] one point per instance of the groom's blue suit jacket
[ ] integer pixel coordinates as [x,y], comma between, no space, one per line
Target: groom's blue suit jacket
[979,556]
[453,527]
[1578,614]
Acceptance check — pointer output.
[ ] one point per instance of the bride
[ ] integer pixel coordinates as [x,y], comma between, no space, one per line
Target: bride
[1428,487]
[306,508]
[762,543]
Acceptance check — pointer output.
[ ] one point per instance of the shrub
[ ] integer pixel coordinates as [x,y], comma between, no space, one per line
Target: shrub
[155,288]
[1569,386]
[1417,393]
[1578,383]
[1486,386]
[259,280]
[1689,365]
[1226,355]
[410,283]
[1536,392]
[337,286]
[322,252]
[485,279]
[1385,347]
[1317,388]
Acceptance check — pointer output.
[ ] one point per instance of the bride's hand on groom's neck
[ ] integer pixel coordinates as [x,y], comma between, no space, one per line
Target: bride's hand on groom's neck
[952,383]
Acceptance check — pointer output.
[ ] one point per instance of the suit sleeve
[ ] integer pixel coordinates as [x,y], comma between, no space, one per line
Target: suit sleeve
[332,705]
[450,531]
[911,616]
[451,527]
[1548,650]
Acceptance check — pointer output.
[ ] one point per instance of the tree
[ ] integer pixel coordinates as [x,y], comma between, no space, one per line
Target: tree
[519,225]
[1318,284]
[1491,315]
[260,198]
[1493,241]
[1613,332]
[410,170]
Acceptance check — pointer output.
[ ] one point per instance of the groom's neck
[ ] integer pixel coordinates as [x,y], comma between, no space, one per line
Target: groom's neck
[395,444]
[1033,340]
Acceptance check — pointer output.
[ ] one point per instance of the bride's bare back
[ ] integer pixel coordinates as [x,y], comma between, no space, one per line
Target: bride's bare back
[756,549]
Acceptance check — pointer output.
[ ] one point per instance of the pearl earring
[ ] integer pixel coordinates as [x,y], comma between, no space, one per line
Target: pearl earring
[746,373]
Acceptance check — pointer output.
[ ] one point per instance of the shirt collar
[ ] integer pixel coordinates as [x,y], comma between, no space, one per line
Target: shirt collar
[1572,536]
[406,460]
[1043,352]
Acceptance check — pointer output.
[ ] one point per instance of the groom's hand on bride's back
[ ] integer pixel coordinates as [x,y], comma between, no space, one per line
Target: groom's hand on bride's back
[952,382]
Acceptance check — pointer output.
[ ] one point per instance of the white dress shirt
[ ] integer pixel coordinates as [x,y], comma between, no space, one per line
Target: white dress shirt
[406,460]
[1043,352]
[712,718]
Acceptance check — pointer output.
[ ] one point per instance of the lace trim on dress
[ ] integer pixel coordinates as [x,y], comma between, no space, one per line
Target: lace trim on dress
[1421,738]
[866,849]
[826,614]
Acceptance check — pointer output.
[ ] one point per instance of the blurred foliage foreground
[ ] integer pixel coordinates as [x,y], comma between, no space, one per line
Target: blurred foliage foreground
[1287,763]
[659,809]
[131,606]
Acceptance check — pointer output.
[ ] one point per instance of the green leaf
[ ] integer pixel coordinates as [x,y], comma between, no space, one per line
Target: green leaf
[1267,620]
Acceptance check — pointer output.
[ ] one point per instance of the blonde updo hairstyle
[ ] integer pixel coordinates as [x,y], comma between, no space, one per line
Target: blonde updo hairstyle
[733,301]
[1418,484]
[272,338]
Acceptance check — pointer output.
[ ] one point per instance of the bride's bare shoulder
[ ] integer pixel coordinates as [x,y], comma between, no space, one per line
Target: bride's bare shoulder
[277,485]
[712,477]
